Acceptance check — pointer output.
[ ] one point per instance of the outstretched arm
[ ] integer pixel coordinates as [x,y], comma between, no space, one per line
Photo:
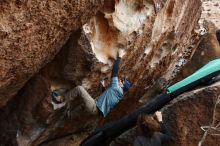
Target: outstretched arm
[115,69]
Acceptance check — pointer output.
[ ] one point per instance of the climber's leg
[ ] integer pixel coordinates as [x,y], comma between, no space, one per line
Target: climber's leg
[88,101]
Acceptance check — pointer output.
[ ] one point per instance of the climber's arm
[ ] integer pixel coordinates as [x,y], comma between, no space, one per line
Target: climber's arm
[114,78]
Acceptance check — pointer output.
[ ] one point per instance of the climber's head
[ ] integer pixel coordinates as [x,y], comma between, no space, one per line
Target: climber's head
[60,99]
[148,124]
[218,35]
[58,95]
[124,84]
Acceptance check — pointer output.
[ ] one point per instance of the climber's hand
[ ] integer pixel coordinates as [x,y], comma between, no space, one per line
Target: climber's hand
[159,116]
[121,52]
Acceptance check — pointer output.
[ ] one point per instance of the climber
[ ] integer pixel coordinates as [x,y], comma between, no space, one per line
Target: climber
[103,104]
[151,130]
[218,35]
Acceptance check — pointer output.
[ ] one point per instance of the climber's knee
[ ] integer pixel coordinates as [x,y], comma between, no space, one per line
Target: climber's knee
[79,87]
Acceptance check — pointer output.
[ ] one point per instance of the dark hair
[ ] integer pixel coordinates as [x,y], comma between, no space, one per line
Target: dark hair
[148,124]
[218,35]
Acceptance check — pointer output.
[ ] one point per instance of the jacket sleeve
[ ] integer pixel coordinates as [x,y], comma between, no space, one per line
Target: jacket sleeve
[116,67]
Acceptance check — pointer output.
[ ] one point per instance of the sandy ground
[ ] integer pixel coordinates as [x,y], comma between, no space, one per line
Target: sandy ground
[211,11]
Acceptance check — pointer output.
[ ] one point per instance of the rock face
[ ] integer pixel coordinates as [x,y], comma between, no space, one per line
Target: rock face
[27,112]
[202,112]
[32,33]
[207,50]
[158,50]
[211,11]
[185,123]
[159,38]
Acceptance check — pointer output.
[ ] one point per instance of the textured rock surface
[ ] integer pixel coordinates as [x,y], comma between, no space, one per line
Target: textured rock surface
[185,122]
[189,119]
[25,110]
[159,40]
[159,52]
[207,50]
[209,46]
[211,11]
[31,33]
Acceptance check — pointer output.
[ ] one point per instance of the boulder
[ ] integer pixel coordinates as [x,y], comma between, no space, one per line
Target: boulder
[32,33]
[191,118]
[159,38]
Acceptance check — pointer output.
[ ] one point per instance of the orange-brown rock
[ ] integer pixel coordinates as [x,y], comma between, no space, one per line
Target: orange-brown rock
[32,33]
[199,113]
[207,50]
[159,38]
